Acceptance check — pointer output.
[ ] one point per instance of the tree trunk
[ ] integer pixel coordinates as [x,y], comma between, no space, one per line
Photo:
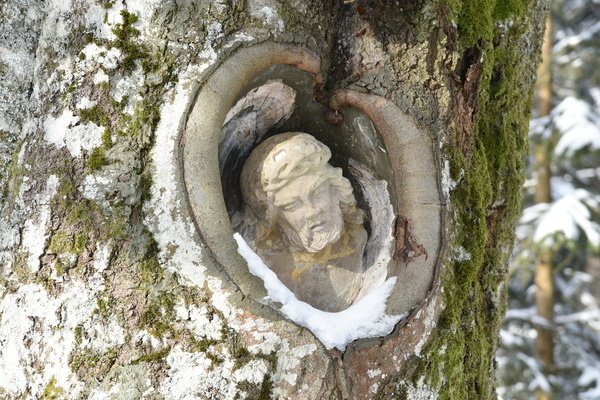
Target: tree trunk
[544,82]
[544,301]
[544,279]
[109,290]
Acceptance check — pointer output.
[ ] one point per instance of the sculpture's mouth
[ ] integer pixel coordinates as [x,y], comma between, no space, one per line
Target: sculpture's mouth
[322,237]
[320,227]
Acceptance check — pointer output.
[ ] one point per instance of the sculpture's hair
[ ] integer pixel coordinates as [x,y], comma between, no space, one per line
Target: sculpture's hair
[259,184]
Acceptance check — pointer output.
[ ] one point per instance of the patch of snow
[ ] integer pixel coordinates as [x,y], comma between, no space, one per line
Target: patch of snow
[595,95]
[539,127]
[560,187]
[567,215]
[448,185]
[365,319]
[590,376]
[540,381]
[65,132]
[510,339]
[582,316]
[529,315]
[574,40]
[579,126]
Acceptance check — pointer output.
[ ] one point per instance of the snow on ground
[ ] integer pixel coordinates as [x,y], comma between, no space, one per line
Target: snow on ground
[365,319]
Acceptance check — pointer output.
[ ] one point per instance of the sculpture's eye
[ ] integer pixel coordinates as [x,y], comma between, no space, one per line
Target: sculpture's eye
[291,206]
[256,100]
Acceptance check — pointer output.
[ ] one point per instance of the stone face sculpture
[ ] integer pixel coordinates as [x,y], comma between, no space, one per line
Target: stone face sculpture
[302,219]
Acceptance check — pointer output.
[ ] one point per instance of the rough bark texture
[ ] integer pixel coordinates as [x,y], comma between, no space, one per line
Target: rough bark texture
[544,261]
[107,289]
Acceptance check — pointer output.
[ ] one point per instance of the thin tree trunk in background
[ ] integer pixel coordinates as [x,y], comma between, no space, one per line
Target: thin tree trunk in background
[544,82]
[544,295]
[544,300]
[542,161]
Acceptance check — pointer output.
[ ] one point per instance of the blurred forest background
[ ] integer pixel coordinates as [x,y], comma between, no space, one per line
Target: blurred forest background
[551,335]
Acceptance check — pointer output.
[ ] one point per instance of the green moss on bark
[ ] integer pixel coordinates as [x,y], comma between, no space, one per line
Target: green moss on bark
[476,19]
[126,34]
[489,198]
[97,159]
[93,362]
[486,153]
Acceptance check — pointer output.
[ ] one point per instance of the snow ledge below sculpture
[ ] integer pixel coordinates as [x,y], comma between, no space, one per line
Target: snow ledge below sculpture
[365,319]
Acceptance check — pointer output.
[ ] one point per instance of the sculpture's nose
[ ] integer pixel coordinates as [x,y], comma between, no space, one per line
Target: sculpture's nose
[312,210]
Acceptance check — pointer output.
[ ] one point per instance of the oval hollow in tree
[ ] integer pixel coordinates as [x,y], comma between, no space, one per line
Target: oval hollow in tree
[390,229]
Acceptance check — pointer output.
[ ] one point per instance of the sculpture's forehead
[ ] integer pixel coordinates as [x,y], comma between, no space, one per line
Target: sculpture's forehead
[302,186]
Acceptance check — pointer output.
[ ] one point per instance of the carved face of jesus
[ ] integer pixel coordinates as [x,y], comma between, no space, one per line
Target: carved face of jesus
[288,184]
[308,211]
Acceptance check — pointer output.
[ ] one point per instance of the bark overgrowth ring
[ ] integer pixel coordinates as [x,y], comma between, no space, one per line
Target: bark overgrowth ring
[390,162]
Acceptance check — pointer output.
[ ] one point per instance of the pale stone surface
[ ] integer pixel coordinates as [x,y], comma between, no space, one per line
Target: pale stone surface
[305,225]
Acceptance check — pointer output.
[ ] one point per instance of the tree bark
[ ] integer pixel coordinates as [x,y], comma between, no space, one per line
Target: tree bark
[108,290]
[544,279]
[544,301]
[544,82]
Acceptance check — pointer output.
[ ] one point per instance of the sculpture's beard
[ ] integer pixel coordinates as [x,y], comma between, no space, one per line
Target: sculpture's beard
[314,236]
